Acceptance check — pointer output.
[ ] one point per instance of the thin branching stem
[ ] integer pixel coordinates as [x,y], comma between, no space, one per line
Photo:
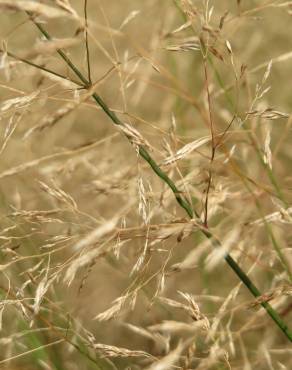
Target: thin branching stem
[86,43]
[210,179]
[213,144]
[47,70]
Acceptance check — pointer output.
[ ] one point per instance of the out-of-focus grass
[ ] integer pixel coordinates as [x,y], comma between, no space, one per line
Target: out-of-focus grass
[77,203]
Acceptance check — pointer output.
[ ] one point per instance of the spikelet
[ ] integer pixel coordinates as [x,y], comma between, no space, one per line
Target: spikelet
[167,362]
[161,341]
[133,14]
[173,327]
[111,351]
[143,206]
[114,310]
[179,29]
[88,256]
[134,135]
[267,149]
[268,113]
[65,5]
[282,216]
[58,194]
[186,150]
[42,289]
[34,7]
[11,127]
[194,309]
[184,46]
[19,102]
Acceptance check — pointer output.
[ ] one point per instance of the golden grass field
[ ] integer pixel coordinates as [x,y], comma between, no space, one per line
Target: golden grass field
[145,149]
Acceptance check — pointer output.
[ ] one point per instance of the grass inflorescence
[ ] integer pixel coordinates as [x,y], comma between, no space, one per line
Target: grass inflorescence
[112,254]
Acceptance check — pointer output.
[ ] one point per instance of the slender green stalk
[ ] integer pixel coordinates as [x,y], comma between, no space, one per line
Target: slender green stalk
[26,61]
[252,288]
[86,43]
[181,200]
[256,293]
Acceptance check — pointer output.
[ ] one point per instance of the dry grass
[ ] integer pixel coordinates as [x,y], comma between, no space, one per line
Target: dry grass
[100,267]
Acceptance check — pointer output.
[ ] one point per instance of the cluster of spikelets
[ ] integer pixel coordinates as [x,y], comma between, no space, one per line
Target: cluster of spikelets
[101,268]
